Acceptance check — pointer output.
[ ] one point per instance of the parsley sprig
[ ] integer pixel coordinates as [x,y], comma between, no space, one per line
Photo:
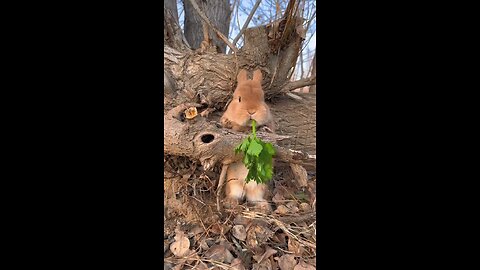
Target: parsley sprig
[257,157]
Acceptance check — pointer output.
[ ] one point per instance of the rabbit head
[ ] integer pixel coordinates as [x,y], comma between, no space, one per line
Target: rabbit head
[248,101]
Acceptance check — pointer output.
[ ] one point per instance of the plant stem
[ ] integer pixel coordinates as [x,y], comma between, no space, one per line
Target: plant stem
[253,129]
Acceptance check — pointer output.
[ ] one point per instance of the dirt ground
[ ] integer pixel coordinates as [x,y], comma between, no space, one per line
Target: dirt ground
[198,236]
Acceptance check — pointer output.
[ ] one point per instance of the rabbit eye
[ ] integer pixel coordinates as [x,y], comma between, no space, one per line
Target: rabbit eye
[239,99]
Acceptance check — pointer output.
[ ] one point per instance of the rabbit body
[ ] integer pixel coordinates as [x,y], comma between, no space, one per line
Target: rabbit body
[248,103]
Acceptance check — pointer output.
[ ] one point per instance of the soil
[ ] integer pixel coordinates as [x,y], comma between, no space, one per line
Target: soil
[198,236]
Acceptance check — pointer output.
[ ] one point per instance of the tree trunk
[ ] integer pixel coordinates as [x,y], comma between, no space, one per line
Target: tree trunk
[217,11]
[204,140]
[208,78]
[296,119]
[171,5]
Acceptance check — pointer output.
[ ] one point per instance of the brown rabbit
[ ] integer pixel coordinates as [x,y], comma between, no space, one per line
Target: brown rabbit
[248,103]
[236,188]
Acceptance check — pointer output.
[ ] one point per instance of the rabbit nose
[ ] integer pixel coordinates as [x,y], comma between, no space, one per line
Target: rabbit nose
[251,112]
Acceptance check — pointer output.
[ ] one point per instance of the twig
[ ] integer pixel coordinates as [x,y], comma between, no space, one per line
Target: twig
[198,216]
[206,20]
[281,225]
[245,25]
[294,96]
[220,184]
[300,218]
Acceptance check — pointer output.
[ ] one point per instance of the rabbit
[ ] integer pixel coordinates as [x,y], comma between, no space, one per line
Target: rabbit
[237,188]
[248,103]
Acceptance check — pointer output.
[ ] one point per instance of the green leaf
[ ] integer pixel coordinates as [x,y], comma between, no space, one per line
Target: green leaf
[246,160]
[254,148]
[244,145]
[259,167]
[269,148]
[257,157]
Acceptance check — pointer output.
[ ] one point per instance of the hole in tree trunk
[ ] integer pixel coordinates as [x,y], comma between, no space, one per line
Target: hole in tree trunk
[207,138]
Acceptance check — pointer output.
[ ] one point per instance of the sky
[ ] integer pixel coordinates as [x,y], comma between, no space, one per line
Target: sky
[246,6]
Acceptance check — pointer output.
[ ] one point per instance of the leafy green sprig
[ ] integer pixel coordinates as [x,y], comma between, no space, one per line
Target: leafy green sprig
[257,157]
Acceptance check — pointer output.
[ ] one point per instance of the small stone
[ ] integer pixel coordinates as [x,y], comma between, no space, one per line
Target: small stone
[281,209]
[305,207]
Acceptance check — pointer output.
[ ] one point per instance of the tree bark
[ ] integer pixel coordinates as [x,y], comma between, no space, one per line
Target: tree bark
[172,6]
[217,11]
[296,119]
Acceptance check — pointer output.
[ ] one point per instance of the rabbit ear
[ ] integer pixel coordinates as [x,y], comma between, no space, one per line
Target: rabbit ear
[242,75]
[257,76]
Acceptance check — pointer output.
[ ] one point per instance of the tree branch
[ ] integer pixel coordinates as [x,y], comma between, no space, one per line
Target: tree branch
[173,34]
[289,86]
[245,25]
[207,21]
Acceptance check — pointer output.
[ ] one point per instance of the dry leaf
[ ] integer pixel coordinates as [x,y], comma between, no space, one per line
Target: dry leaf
[274,263]
[237,264]
[241,220]
[287,262]
[294,246]
[178,266]
[203,245]
[239,232]
[211,219]
[304,266]
[191,113]
[219,253]
[265,265]
[292,206]
[282,237]
[228,245]
[252,237]
[196,230]
[302,224]
[167,266]
[278,197]
[181,245]
[257,234]
[219,229]
[264,234]
[268,252]
[201,266]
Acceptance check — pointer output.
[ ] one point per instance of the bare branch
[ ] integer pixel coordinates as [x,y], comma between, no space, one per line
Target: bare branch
[207,21]
[245,25]
[294,96]
[289,86]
